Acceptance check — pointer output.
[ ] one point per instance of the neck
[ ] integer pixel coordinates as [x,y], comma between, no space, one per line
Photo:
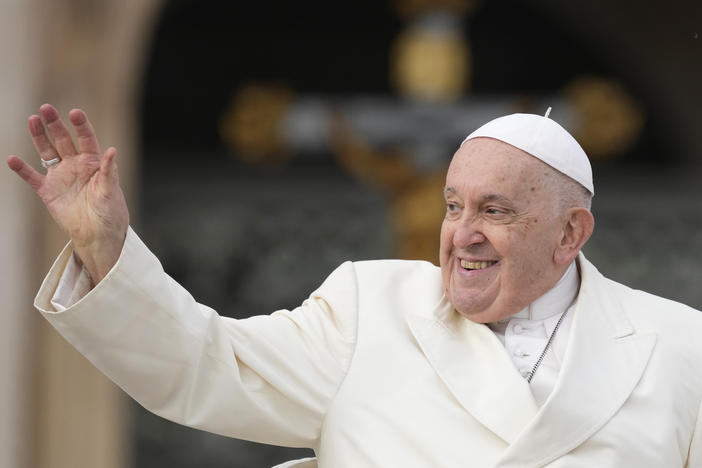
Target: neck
[556,300]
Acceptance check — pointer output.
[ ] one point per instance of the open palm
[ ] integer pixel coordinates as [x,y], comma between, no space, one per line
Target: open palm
[82,191]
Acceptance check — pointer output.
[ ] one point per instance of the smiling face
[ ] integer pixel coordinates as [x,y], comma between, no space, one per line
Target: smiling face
[503,224]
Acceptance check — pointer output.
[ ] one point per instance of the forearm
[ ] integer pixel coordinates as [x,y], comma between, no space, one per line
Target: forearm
[182,361]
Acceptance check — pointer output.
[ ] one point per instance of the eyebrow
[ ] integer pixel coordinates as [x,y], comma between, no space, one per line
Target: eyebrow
[490,197]
[494,197]
[449,190]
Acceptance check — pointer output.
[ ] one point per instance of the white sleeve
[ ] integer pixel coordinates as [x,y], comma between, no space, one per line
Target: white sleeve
[267,378]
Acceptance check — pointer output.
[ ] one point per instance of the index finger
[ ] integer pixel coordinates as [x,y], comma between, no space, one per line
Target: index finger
[26,172]
[87,140]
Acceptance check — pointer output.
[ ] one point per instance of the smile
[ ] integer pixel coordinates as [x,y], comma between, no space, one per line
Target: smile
[476,265]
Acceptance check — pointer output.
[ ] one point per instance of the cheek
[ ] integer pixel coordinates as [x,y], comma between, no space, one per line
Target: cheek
[445,244]
[445,238]
[515,246]
[531,250]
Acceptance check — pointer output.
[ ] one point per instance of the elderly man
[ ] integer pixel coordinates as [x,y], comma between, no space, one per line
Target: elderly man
[517,352]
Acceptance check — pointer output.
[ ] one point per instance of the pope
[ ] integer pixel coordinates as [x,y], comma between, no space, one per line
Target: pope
[516,352]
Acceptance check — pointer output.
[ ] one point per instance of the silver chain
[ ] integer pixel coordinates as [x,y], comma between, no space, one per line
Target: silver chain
[548,344]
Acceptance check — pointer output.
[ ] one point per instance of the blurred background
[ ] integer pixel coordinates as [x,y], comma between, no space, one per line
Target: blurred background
[263,143]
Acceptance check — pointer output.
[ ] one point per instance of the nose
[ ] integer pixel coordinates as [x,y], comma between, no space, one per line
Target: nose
[468,232]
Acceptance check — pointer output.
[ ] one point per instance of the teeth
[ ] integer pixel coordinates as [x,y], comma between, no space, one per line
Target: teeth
[475,265]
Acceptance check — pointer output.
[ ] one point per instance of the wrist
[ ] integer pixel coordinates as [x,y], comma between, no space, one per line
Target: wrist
[99,256]
[85,271]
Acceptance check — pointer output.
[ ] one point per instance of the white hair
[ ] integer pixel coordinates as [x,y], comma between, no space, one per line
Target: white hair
[571,194]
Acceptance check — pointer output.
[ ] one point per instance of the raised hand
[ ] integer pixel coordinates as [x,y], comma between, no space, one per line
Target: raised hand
[80,189]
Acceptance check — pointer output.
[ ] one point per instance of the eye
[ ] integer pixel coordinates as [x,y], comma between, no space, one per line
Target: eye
[452,208]
[496,212]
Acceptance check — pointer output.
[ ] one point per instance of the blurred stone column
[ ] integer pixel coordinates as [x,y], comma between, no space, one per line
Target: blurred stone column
[17,219]
[58,411]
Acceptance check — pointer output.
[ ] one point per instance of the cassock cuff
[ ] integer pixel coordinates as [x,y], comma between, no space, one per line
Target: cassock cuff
[67,281]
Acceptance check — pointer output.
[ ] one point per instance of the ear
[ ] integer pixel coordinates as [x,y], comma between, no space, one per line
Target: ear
[577,229]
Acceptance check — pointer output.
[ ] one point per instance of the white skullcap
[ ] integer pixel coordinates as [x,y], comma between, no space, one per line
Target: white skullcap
[544,139]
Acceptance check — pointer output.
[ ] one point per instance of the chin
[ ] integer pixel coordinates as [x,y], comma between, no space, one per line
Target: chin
[481,313]
[472,311]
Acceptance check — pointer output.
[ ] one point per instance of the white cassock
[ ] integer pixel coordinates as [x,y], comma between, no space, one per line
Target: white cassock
[376,369]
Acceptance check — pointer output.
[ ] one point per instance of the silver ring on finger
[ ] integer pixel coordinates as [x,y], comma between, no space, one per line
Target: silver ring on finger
[47,164]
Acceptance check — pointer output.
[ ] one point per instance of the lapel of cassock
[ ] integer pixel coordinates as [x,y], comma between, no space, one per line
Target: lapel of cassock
[475,367]
[604,361]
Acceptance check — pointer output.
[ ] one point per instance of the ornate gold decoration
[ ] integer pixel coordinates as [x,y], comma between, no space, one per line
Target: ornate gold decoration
[430,65]
[609,120]
[251,124]
[415,196]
